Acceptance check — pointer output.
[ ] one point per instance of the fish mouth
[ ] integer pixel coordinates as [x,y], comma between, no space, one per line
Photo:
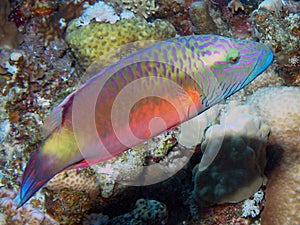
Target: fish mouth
[263,62]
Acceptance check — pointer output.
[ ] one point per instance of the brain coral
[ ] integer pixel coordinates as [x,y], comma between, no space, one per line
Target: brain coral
[280,107]
[74,179]
[96,39]
[233,162]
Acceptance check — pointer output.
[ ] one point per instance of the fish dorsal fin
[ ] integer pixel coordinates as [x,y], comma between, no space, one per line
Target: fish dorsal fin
[53,121]
[113,56]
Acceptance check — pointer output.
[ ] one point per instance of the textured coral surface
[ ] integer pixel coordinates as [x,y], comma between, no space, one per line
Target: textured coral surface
[280,108]
[90,42]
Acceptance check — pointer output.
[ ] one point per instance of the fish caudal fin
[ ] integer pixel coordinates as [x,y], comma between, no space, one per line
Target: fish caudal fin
[37,173]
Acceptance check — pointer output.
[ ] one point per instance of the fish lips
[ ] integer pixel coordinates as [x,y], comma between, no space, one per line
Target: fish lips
[263,62]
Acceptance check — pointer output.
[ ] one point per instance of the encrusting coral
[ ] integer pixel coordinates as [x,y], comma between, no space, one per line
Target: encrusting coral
[280,108]
[233,161]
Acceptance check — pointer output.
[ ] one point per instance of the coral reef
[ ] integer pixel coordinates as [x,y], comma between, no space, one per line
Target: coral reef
[100,12]
[233,161]
[124,168]
[251,207]
[107,179]
[144,8]
[146,212]
[232,18]
[90,42]
[31,76]
[27,214]
[278,28]
[9,35]
[67,206]
[280,108]
[235,5]
[39,72]
[177,13]
[201,19]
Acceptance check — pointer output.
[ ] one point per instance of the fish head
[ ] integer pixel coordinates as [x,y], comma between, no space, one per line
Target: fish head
[233,63]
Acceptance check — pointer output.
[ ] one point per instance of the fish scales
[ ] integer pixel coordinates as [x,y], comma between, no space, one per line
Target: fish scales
[139,97]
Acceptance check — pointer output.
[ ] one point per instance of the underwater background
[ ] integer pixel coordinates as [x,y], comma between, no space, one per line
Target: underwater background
[251,140]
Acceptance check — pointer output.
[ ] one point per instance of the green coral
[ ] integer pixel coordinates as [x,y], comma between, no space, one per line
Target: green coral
[90,42]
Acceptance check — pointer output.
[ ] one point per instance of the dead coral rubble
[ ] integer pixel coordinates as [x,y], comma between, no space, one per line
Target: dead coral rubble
[9,35]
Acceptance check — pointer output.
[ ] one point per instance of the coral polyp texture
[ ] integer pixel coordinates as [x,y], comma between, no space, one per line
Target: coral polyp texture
[75,180]
[232,166]
[280,108]
[90,42]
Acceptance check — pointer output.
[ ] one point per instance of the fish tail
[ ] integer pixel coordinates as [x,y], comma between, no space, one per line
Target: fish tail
[36,174]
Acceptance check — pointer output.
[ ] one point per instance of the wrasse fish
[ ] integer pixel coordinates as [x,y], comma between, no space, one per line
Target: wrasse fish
[139,97]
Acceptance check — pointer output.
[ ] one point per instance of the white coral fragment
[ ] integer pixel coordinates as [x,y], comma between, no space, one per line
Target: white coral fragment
[127,14]
[251,206]
[100,12]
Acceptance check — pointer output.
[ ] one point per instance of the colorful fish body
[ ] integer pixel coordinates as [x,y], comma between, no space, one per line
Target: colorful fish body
[139,97]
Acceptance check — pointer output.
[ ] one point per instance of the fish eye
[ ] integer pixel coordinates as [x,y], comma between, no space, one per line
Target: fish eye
[234,60]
